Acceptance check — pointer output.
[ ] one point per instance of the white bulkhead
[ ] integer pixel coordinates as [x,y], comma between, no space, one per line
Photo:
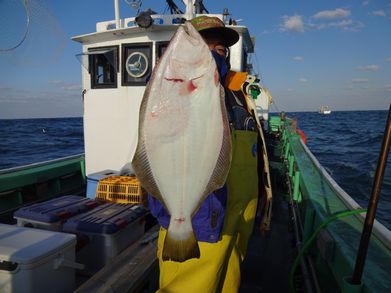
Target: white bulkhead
[116,66]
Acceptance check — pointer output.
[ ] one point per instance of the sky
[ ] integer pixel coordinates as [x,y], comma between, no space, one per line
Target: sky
[308,53]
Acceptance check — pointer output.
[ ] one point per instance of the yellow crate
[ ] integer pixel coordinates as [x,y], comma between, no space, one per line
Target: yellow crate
[121,189]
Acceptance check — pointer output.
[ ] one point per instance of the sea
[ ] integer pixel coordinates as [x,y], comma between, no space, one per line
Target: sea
[346,143]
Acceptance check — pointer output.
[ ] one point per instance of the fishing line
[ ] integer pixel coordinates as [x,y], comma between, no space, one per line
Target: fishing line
[310,240]
[274,105]
[14,23]
[257,66]
[30,34]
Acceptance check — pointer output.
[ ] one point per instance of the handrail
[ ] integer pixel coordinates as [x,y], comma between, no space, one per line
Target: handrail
[379,230]
[39,164]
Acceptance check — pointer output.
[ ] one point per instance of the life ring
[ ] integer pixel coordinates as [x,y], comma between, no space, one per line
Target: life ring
[302,136]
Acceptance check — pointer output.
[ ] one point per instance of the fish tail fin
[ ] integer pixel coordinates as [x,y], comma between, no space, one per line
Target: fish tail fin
[180,243]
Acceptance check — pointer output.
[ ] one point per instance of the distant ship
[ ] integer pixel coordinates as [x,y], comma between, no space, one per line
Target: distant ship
[324,110]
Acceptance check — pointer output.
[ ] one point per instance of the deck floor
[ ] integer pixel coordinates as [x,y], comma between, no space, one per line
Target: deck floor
[269,257]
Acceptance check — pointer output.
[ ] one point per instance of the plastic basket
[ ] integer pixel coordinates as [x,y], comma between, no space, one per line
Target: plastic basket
[121,189]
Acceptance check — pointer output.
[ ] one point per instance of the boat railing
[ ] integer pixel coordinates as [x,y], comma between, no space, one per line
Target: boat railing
[40,181]
[34,165]
[158,19]
[379,230]
[332,222]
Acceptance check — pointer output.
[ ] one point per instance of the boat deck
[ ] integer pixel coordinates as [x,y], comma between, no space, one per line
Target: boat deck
[269,256]
[266,267]
[133,270]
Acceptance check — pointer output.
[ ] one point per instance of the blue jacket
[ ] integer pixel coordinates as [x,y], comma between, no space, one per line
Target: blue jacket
[207,222]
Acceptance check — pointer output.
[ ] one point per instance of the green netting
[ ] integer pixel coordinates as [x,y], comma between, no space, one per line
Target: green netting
[336,247]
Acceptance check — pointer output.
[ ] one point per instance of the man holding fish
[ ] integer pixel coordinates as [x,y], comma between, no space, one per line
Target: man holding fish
[197,157]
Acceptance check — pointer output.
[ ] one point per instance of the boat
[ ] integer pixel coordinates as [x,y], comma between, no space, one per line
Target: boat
[325,110]
[316,227]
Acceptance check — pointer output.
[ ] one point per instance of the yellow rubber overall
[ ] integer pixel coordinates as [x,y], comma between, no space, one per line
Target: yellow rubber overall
[218,268]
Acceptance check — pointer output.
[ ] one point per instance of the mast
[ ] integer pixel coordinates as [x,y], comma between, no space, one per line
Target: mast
[117,17]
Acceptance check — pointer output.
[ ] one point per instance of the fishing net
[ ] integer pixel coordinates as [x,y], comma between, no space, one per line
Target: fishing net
[29,33]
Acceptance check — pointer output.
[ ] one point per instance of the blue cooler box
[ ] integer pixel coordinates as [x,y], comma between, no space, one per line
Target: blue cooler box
[50,215]
[93,180]
[105,232]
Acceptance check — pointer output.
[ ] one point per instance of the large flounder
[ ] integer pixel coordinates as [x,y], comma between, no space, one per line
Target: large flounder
[184,147]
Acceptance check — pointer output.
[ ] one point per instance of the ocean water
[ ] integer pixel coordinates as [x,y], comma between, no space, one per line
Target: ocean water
[347,144]
[26,141]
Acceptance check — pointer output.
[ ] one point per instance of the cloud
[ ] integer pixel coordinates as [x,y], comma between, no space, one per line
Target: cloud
[338,24]
[298,58]
[355,26]
[365,3]
[65,86]
[346,25]
[338,18]
[71,87]
[372,67]
[4,88]
[292,24]
[381,13]
[326,19]
[389,59]
[303,79]
[387,87]
[332,14]
[360,80]
[55,81]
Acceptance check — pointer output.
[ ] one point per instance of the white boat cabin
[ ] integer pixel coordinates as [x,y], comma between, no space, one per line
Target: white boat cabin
[117,62]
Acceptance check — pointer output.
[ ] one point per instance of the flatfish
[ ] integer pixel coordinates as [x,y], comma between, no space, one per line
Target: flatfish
[184,145]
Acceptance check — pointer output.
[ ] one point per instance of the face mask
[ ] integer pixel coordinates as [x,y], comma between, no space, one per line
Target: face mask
[221,65]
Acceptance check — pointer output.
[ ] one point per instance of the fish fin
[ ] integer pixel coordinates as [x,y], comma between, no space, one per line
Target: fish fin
[180,243]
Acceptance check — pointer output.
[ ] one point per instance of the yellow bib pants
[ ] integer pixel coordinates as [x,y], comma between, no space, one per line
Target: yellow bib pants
[218,268]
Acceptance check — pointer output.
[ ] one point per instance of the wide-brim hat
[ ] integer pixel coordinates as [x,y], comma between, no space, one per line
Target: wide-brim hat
[206,25]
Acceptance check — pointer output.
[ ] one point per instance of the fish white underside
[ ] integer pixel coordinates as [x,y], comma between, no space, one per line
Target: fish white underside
[184,148]
[182,162]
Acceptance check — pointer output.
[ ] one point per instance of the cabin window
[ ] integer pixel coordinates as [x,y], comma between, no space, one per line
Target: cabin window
[103,67]
[160,49]
[137,65]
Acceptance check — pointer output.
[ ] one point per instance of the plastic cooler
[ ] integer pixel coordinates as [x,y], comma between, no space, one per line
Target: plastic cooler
[34,260]
[105,232]
[51,214]
[93,180]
